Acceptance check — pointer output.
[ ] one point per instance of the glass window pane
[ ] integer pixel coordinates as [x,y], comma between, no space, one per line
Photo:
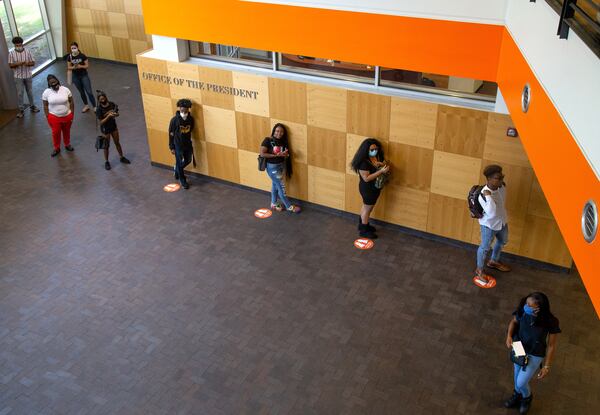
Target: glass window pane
[327,67]
[28,17]
[399,78]
[40,50]
[5,26]
[234,53]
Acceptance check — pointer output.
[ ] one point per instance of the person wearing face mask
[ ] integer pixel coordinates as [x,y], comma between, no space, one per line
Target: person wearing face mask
[534,325]
[107,112]
[369,163]
[58,107]
[180,139]
[78,65]
[275,149]
[21,62]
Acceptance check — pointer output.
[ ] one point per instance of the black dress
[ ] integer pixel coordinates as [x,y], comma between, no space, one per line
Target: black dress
[367,190]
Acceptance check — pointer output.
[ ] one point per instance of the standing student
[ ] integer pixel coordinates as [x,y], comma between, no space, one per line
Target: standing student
[493,224]
[107,112]
[58,107]
[21,62]
[275,149]
[537,329]
[180,139]
[78,64]
[369,163]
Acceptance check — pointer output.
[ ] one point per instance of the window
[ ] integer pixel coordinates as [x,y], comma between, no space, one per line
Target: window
[253,57]
[27,19]
[327,67]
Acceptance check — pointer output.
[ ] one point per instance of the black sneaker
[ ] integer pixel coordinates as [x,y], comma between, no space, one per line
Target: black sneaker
[55,153]
[185,185]
[33,108]
[107,165]
[124,160]
[69,148]
[21,114]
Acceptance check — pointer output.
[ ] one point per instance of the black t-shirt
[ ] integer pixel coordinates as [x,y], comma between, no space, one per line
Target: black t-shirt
[366,165]
[76,60]
[270,143]
[110,125]
[533,334]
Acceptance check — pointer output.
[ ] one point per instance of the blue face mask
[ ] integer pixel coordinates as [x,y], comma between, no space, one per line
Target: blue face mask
[529,310]
[373,153]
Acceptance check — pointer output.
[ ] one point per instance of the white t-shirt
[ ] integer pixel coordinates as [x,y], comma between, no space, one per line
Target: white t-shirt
[58,101]
[494,209]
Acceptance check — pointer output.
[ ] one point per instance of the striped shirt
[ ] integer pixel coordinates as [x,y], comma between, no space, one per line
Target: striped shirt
[23,71]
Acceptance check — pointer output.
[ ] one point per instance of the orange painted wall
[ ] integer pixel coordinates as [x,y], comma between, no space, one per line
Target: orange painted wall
[453,48]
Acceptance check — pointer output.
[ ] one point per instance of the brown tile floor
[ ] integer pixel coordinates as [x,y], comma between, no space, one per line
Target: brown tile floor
[118,298]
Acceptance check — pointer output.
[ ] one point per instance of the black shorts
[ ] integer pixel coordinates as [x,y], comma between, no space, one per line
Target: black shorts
[369,192]
[108,130]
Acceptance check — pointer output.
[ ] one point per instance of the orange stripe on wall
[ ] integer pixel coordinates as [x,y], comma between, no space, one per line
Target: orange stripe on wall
[461,49]
[566,177]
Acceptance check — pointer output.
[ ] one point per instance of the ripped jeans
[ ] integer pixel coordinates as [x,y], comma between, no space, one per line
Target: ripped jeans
[275,172]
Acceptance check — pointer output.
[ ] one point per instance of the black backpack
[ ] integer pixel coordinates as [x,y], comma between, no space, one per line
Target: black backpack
[473,200]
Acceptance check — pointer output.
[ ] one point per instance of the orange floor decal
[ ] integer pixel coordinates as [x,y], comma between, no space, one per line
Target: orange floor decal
[263,213]
[483,284]
[172,187]
[364,243]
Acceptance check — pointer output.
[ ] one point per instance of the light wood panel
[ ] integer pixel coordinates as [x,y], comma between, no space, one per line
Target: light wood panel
[353,142]
[501,148]
[450,217]
[223,162]
[326,149]
[542,240]
[251,131]
[137,46]
[83,4]
[297,137]
[100,23]
[115,6]
[135,27]
[326,187]
[155,66]
[96,5]
[538,205]
[219,126]
[354,199]
[105,46]
[406,206]
[121,48]
[87,43]
[188,72]
[133,6]
[461,131]
[368,115]
[453,174]
[411,166]
[158,142]
[287,100]
[83,19]
[218,77]
[158,112]
[413,122]
[118,25]
[200,155]
[326,107]
[297,186]
[249,174]
[260,84]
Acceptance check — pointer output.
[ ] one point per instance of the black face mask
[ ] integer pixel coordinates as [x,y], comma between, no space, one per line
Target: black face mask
[55,87]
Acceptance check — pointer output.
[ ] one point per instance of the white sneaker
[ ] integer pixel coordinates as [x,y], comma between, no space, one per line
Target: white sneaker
[85,108]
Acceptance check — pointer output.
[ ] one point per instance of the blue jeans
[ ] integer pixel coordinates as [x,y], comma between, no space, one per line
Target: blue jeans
[275,172]
[487,236]
[83,85]
[522,377]
[24,84]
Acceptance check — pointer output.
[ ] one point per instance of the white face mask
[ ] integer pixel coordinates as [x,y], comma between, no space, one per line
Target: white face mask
[183,115]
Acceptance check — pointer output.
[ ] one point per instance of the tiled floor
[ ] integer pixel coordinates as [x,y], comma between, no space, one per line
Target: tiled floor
[119,298]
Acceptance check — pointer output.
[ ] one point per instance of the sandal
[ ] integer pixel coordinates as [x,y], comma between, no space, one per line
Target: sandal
[498,265]
[294,209]
[277,206]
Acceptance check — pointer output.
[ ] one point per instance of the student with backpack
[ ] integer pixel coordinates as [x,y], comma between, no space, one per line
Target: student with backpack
[488,204]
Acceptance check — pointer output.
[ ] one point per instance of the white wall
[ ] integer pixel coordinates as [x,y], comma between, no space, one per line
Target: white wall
[55,10]
[478,11]
[567,69]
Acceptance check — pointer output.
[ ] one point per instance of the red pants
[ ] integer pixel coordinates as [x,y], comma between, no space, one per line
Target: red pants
[58,124]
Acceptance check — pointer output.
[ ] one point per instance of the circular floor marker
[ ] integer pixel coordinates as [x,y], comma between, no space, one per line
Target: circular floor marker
[263,213]
[364,243]
[172,187]
[482,284]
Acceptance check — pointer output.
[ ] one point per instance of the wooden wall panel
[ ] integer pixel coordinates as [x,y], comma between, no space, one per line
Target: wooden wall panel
[121,48]
[84,21]
[326,149]
[100,22]
[411,166]
[251,131]
[118,25]
[413,122]
[287,100]
[297,186]
[95,5]
[135,27]
[449,217]
[87,43]
[453,174]
[219,126]
[185,71]
[538,205]
[501,148]
[158,142]
[353,142]
[105,46]
[218,77]
[297,137]
[158,112]
[117,6]
[260,84]
[461,131]
[326,107]
[406,206]
[249,174]
[542,240]
[149,86]
[137,46]
[201,157]
[133,6]
[223,162]
[326,187]
[368,115]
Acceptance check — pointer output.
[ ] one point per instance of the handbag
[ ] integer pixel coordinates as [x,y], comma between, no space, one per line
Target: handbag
[519,360]
[262,163]
[101,143]
[381,180]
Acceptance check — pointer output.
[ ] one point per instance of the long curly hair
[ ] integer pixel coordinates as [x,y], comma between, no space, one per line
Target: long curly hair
[544,316]
[362,153]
